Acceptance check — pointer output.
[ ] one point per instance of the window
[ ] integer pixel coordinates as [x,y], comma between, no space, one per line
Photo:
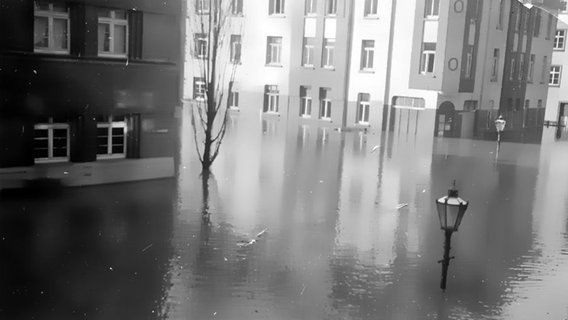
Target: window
[530,75]
[431,8]
[428,57]
[495,65]
[325,104]
[500,17]
[308,52]
[563,7]
[233,100]
[305,102]
[236,48]
[554,79]
[199,88]
[559,39]
[311,7]
[536,30]
[276,7]
[408,102]
[363,108]
[330,7]
[202,6]
[201,46]
[51,142]
[111,138]
[328,52]
[273,51]
[521,66]
[539,103]
[470,105]
[543,72]
[367,54]
[517,16]
[271,98]
[370,8]
[468,63]
[113,33]
[51,27]
[512,67]
[236,7]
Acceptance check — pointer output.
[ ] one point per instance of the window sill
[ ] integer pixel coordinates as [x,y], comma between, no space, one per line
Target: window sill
[554,85]
[234,109]
[271,114]
[237,62]
[273,65]
[48,51]
[112,55]
[277,15]
[431,18]
[308,66]
[330,68]
[303,116]
[371,17]
[325,119]
[310,15]
[363,124]
[558,49]
[50,160]
[237,15]
[368,71]
[110,156]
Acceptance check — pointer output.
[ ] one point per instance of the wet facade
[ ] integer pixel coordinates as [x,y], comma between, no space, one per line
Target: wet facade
[88,83]
[355,65]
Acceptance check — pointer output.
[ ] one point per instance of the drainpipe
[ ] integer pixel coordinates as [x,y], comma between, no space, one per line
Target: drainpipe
[348,64]
[386,98]
[487,55]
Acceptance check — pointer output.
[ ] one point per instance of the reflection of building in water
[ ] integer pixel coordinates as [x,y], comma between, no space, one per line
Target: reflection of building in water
[89,87]
[357,65]
[557,103]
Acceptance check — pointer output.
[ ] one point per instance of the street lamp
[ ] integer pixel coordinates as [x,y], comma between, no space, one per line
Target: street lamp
[451,209]
[500,126]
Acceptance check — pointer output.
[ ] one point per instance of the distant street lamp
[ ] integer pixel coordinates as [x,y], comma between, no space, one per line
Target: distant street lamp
[451,209]
[500,126]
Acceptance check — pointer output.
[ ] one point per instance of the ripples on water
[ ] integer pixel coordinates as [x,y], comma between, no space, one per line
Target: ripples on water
[349,233]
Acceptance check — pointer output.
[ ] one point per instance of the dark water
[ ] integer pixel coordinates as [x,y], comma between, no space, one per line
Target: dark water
[301,223]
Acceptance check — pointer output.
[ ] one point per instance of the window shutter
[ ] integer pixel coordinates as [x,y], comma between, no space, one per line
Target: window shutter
[135,26]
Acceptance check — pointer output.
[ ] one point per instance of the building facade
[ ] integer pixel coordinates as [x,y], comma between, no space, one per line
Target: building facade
[365,65]
[88,90]
[557,103]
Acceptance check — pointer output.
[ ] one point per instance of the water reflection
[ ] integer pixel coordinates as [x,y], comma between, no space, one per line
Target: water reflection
[301,222]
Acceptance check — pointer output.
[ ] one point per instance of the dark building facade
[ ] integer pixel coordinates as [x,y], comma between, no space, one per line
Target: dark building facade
[88,81]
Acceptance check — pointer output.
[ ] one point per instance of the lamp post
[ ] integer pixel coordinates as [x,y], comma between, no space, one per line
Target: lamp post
[500,126]
[451,209]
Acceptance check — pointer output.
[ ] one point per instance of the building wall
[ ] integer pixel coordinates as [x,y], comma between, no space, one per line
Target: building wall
[558,94]
[78,87]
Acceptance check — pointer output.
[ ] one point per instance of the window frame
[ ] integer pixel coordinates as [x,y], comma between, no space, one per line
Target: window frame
[109,125]
[530,74]
[50,126]
[495,65]
[371,9]
[305,102]
[427,56]
[311,8]
[199,89]
[201,42]
[51,15]
[236,48]
[328,53]
[325,104]
[276,7]
[202,7]
[274,47]
[330,8]
[272,99]
[308,48]
[554,76]
[367,55]
[559,38]
[237,7]
[363,108]
[112,21]
[432,9]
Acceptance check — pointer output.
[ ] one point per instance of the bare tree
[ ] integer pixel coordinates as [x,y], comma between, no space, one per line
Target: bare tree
[210,26]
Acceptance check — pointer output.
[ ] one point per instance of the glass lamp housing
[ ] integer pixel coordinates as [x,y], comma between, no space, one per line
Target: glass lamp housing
[451,209]
[500,124]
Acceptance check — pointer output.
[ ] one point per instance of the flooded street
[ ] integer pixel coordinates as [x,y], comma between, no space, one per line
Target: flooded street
[301,222]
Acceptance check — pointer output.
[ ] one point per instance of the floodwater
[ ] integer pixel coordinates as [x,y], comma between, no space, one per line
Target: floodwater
[301,222]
